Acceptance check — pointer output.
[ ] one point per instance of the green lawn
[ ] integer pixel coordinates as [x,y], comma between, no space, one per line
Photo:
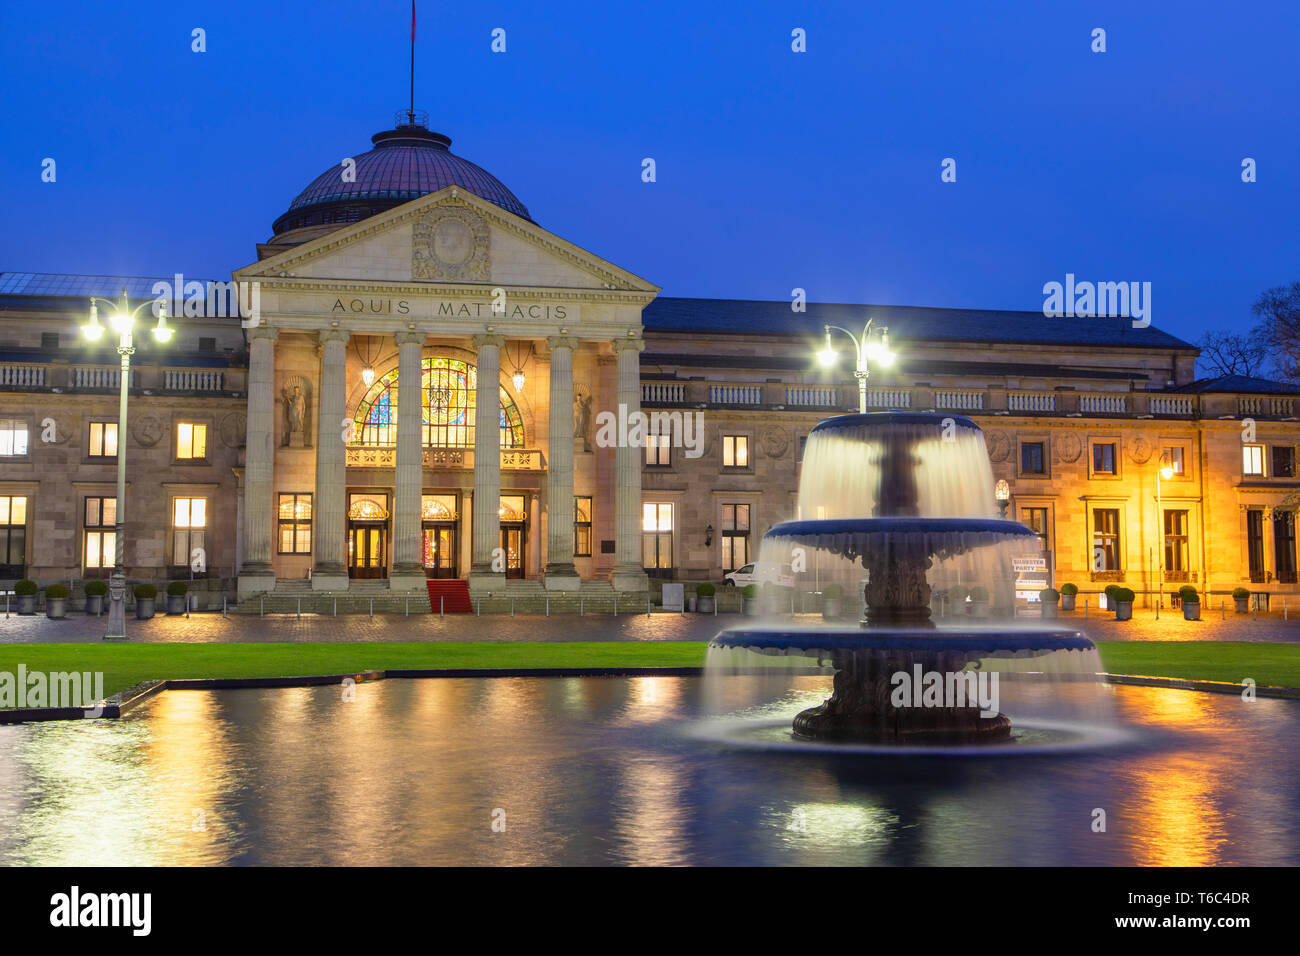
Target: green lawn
[127,664]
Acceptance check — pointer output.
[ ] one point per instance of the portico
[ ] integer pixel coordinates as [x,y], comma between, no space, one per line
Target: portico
[435,302]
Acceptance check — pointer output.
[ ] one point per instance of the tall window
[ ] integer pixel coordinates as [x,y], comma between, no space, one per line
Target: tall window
[658,450]
[101,533]
[582,526]
[1252,460]
[191,441]
[1255,544]
[735,451]
[1105,540]
[1284,546]
[1036,520]
[103,440]
[657,536]
[189,524]
[1104,458]
[1176,545]
[294,520]
[1033,458]
[1283,461]
[1173,457]
[735,536]
[448,400]
[13,536]
[13,437]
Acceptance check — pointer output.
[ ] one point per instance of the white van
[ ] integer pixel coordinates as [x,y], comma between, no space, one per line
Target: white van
[756,573]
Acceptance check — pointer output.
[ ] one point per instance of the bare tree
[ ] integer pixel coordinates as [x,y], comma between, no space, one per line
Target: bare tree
[1279,311]
[1231,353]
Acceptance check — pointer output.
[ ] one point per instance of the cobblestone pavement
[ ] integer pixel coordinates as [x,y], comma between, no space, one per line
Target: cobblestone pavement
[592,627]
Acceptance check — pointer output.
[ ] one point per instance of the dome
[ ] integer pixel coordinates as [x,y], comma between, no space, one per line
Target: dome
[407,162]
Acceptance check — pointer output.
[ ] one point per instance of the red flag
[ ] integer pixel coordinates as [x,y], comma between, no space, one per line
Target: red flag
[412,21]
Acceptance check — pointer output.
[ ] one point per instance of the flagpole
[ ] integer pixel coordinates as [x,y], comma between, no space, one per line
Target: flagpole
[410,113]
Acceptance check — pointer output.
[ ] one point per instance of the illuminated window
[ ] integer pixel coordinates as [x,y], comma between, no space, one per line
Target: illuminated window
[1173,458]
[1036,520]
[1176,546]
[582,527]
[735,451]
[1033,458]
[294,520]
[189,527]
[101,533]
[1252,460]
[13,437]
[191,440]
[735,536]
[1105,457]
[13,536]
[511,508]
[448,397]
[657,536]
[658,450]
[103,440]
[1105,540]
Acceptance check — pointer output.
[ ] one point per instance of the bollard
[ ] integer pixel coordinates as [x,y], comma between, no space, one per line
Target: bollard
[261,606]
[1254,609]
[647,605]
[1221,611]
[336,605]
[223,605]
[479,612]
[408,605]
[300,609]
[512,605]
[616,604]
[442,605]
[548,603]
[1085,609]
[715,607]
[372,607]
[1284,608]
[580,611]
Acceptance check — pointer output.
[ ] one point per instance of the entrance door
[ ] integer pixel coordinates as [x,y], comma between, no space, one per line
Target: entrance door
[367,550]
[512,544]
[438,549]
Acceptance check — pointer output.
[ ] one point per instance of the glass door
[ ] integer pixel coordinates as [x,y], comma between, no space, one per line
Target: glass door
[438,550]
[512,544]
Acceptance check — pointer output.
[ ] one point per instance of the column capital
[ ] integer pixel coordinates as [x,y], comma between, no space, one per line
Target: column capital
[623,345]
[261,331]
[569,342]
[489,338]
[410,337]
[333,335]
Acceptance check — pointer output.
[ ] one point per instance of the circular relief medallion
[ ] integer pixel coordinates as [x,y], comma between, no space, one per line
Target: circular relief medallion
[1140,450]
[1069,447]
[452,242]
[232,430]
[999,446]
[147,430]
[775,441]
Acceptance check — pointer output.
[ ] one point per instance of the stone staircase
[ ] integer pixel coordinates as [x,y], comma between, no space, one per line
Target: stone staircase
[362,597]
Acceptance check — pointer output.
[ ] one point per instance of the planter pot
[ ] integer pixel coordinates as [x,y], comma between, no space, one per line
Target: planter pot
[27,604]
[1067,602]
[704,604]
[830,608]
[979,608]
[176,604]
[690,602]
[1123,610]
[1243,605]
[144,608]
[56,607]
[749,606]
[1191,612]
[1049,609]
[95,604]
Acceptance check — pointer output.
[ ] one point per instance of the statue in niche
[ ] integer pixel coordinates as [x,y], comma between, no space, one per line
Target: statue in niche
[582,420]
[295,413]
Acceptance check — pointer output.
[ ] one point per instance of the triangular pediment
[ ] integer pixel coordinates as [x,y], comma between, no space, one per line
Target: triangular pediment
[451,238]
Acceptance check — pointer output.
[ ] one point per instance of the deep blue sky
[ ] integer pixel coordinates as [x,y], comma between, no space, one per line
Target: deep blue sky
[775,169]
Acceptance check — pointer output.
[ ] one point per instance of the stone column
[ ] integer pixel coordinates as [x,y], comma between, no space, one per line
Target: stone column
[487,465]
[256,574]
[329,512]
[628,573]
[560,574]
[408,572]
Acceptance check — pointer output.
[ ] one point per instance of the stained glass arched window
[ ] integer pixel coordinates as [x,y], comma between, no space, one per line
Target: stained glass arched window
[448,393]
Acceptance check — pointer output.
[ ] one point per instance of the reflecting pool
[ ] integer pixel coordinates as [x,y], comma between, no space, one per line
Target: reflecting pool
[517,771]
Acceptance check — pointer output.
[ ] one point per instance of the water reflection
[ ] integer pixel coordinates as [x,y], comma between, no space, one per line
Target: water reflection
[598,771]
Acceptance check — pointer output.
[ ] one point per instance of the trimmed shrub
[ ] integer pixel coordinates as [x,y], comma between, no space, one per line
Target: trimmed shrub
[1187,594]
[1050,595]
[56,591]
[1071,589]
[96,589]
[1123,596]
[832,592]
[25,588]
[749,591]
[145,591]
[979,594]
[1110,590]
[1240,594]
[705,590]
[958,593]
[178,588]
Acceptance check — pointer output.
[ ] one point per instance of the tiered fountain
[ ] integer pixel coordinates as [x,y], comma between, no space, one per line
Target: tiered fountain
[925,482]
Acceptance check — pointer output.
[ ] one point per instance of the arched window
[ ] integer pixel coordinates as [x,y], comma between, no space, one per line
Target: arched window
[448,394]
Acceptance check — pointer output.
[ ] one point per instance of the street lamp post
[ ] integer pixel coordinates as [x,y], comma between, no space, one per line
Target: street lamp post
[1166,472]
[122,321]
[865,349]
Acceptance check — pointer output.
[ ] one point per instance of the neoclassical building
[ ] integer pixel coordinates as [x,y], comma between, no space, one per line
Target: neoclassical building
[423,382]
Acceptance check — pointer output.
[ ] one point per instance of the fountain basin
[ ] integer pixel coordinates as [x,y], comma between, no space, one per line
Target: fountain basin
[974,643]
